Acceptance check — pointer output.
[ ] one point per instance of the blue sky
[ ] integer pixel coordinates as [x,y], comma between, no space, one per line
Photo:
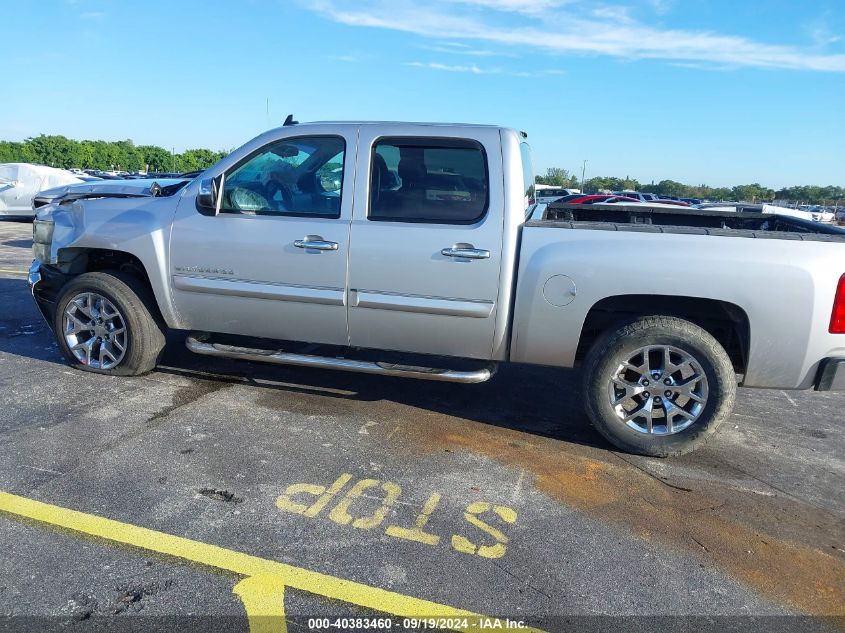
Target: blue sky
[720,92]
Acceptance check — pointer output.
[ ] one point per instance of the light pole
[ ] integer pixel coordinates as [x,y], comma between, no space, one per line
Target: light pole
[173,161]
[583,171]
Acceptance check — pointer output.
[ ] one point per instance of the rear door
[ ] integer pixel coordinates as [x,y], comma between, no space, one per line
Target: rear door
[426,240]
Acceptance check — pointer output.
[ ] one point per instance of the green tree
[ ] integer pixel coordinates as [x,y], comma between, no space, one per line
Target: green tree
[156,158]
[752,193]
[669,188]
[59,151]
[194,159]
[609,183]
[558,177]
[11,152]
[56,151]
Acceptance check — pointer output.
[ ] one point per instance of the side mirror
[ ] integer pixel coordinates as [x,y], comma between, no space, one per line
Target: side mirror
[210,195]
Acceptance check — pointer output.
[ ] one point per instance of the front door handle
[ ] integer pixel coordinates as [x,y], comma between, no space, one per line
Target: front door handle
[466,251]
[315,242]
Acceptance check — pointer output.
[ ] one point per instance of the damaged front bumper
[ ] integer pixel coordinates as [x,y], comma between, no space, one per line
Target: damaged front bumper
[34,276]
[45,282]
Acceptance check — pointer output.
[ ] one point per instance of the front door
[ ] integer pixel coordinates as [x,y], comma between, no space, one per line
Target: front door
[426,241]
[272,263]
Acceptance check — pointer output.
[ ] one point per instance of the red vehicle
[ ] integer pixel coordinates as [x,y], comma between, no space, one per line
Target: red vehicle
[600,199]
[676,203]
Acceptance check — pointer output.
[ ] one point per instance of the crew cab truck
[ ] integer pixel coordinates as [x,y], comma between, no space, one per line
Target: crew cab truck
[415,250]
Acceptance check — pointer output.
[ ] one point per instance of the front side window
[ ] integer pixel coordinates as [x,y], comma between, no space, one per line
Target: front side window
[439,181]
[298,176]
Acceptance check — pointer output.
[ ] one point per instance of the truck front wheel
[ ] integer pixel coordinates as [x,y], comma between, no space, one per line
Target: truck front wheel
[659,386]
[104,324]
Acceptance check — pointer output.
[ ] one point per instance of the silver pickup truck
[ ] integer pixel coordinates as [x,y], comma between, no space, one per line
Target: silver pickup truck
[416,250]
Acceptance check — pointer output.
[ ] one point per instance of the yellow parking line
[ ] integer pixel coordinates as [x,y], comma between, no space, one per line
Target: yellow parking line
[13,272]
[237,562]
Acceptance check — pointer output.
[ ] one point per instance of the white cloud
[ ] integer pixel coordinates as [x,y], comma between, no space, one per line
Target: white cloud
[617,14]
[820,32]
[476,70]
[350,58]
[470,52]
[661,6]
[565,31]
[530,7]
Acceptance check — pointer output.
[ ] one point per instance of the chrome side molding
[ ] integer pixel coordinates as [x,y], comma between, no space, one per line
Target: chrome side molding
[199,344]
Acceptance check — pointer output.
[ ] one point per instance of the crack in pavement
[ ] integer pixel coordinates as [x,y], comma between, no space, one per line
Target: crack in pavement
[183,397]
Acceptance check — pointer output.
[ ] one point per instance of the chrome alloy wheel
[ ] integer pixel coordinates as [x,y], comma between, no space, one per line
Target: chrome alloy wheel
[95,331]
[660,390]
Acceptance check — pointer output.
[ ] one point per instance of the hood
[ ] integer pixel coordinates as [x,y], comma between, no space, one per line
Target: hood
[147,188]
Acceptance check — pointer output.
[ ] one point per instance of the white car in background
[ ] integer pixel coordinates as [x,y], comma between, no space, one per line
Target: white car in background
[19,182]
[546,194]
[819,215]
[816,214]
[642,197]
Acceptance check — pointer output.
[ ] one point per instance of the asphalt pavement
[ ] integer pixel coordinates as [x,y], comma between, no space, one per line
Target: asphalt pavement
[497,499]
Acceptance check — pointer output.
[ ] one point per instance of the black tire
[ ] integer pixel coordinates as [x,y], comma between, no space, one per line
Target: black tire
[145,335]
[615,347]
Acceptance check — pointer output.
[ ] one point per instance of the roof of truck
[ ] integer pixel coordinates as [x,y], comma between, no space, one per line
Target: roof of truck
[434,123]
[399,123]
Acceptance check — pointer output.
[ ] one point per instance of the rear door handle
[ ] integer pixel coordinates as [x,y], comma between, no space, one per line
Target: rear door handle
[466,251]
[315,242]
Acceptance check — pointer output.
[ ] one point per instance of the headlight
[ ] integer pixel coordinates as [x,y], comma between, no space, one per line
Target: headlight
[41,252]
[42,239]
[42,231]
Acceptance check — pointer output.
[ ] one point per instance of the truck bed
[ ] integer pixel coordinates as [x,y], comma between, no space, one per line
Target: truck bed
[612,217]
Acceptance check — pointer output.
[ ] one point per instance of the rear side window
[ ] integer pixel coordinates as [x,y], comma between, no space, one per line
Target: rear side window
[433,180]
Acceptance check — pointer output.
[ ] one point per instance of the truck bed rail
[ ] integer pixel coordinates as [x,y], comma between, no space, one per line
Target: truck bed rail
[605,217]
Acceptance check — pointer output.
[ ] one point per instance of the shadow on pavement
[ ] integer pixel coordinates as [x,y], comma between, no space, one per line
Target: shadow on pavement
[542,401]
[545,401]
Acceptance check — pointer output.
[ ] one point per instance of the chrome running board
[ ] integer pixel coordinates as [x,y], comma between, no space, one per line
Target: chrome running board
[200,346]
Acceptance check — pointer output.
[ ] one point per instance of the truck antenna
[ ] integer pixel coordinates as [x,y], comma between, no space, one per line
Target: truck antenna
[289,120]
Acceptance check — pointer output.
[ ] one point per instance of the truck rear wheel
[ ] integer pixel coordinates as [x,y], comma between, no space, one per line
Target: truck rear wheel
[104,324]
[659,386]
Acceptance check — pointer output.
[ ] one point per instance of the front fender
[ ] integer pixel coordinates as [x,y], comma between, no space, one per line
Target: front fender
[137,226]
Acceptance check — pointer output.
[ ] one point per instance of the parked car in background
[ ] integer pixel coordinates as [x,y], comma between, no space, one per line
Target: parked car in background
[672,202]
[743,207]
[103,175]
[690,201]
[820,213]
[19,182]
[816,214]
[599,199]
[567,199]
[642,197]
[662,204]
[546,194]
